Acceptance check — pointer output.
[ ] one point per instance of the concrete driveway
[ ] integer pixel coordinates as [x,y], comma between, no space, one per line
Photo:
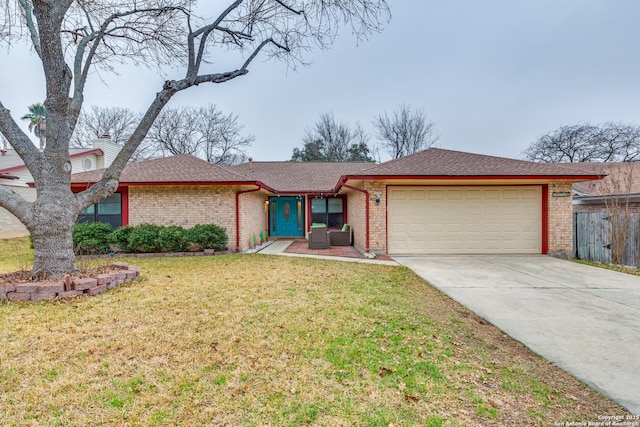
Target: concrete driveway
[584,319]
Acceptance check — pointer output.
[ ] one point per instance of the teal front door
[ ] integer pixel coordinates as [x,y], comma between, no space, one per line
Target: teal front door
[286,215]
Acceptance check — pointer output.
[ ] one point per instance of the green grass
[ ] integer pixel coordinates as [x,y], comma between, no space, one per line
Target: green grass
[266,340]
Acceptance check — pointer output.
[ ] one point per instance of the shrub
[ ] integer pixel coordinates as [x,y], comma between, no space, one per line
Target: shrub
[91,238]
[144,238]
[173,238]
[208,236]
[120,238]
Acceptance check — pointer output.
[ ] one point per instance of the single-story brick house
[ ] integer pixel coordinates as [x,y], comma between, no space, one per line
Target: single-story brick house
[432,202]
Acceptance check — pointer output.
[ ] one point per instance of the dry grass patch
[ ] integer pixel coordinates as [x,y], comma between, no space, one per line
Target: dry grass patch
[620,268]
[15,255]
[267,340]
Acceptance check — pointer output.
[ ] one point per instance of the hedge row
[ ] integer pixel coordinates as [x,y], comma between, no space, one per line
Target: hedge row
[92,238]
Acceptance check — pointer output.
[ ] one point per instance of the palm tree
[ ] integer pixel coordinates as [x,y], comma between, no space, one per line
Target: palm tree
[37,121]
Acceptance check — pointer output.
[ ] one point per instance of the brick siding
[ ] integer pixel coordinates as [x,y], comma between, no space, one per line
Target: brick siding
[252,218]
[356,218]
[377,216]
[185,206]
[190,205]
[560,220]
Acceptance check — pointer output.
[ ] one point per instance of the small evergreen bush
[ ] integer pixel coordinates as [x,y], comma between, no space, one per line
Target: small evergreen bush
[173,238]
[144,238]
[120,238]
[208,236]
[91,238]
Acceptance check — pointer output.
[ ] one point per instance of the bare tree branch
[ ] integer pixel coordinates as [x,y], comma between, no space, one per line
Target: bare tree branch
[205,132]
[19,140]
[119,123]
[94,35]
[331,141]
[31,26]
[608,142]
[406,132]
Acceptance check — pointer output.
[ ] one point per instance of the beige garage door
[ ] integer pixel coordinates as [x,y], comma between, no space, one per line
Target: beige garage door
[465,220]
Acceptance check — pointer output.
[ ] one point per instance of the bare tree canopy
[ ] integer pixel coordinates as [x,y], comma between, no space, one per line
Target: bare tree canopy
[117,122]
[405,132]
[75,38]
[331,141]
[204,132]
[608,142]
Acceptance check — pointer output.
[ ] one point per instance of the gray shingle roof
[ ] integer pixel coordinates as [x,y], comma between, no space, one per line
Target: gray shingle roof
[175,169]
[305,177]
[299,176]
[439,162]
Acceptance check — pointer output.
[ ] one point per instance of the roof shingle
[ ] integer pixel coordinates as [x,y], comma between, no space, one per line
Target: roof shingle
[301,177]
[440,162]
[175,169]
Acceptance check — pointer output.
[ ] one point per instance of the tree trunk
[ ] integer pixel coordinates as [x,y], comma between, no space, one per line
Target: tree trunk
[51,231]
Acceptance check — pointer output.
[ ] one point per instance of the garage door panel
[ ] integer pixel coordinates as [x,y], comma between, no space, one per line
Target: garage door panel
[436,220]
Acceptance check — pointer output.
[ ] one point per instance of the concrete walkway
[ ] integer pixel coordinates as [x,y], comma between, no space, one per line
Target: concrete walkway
[584,319]
[279,247]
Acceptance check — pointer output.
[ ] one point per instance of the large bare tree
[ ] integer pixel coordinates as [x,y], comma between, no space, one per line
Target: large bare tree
[205,132]
[405,132]
[73,38]
[584,142]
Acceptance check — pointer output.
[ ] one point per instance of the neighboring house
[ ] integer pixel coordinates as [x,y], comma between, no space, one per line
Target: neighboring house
[607,214]
[432,202]
[15,175]
[622,182]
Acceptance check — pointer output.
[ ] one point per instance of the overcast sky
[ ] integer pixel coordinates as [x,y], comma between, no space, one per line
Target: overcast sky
[492,75]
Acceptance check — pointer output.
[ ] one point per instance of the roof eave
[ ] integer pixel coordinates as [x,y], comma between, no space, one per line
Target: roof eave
[608,196]
[71,156]
[574,178]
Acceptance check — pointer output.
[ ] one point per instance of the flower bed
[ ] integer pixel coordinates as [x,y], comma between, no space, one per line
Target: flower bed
[117,274]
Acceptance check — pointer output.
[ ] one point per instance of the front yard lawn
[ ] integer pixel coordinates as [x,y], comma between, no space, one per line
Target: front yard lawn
[269,340]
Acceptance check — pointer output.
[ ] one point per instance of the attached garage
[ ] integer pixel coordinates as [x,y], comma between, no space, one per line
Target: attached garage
[464,219]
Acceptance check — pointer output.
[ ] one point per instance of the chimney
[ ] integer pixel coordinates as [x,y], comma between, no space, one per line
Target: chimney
[250,164]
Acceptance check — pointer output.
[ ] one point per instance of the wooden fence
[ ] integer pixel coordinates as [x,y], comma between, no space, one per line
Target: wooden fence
[591,239]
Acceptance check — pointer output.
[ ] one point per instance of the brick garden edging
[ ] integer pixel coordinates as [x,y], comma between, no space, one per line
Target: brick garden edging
[68,287]
[206,252]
